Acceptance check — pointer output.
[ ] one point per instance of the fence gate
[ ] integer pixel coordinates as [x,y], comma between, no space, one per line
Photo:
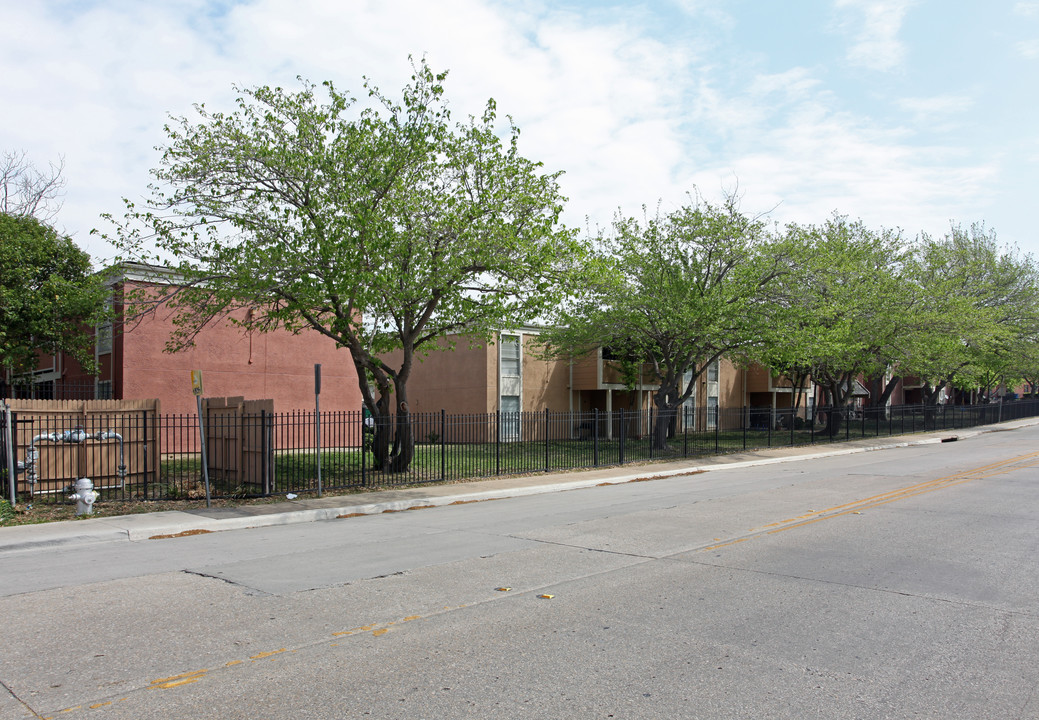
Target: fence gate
[239,436]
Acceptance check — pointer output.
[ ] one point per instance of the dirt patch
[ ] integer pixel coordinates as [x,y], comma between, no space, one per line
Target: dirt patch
[185,533]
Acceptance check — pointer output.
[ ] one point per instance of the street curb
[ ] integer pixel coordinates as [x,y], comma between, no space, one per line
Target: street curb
[145,526]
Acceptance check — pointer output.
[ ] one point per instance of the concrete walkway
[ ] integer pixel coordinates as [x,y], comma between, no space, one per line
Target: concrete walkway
[143,526]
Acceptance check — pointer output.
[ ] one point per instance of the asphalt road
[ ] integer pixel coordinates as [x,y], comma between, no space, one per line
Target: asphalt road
[895,584]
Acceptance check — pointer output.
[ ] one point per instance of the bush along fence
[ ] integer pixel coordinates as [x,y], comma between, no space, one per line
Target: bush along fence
[145,456]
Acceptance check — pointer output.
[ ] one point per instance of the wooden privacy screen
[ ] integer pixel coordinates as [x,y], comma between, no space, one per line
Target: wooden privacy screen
[239,443]
[60,460]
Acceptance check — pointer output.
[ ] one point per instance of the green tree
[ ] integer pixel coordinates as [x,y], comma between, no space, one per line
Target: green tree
[841,307]
[49,298]
[675,291]
[978,307]
[382,229]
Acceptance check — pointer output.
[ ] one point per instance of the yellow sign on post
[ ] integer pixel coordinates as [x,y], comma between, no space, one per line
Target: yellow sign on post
[196,382]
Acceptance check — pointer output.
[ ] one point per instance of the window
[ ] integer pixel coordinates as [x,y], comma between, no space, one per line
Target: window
[712,371]
[103,334]
[712,395]
[689,406]
[510,417]
[510,356]
[712,413]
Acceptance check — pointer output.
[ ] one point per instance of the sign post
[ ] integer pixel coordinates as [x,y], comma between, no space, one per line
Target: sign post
[196,388]
[9,450]
[317,415]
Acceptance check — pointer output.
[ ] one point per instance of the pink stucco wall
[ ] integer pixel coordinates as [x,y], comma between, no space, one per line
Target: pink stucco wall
[276,365]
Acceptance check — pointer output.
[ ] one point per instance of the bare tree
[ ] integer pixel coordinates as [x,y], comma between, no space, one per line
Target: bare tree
[25,191]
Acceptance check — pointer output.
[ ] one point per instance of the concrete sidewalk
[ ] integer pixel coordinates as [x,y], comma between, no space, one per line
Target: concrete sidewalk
[143,526]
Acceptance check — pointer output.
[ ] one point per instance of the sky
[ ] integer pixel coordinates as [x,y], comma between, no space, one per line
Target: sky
[907,114]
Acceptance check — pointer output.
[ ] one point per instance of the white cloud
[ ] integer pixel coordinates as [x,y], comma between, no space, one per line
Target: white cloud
[802,155]
[1028,49]
[936,109]
[630,118]
[1026,9]
[874,26]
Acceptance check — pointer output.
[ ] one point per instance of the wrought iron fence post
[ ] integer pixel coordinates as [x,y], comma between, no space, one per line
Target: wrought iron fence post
[771,419]
[685,438]
[652,433]
[623,427]
[497,445]
[811,425]
[144,433]
[9,459]
[746,419]
[264,459]
[443,444]
[595,440]
[717,426]
[364,451]
[545,439]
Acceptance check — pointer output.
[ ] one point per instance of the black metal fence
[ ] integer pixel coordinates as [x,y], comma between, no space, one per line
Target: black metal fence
[263,454]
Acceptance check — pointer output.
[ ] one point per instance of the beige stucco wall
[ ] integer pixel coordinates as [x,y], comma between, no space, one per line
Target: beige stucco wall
[465,379]
[757,379]
[586,372]
[457,377]
[546,383]
[730,385]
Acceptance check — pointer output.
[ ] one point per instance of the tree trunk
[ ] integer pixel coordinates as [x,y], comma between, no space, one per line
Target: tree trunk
[888,389]
[660,425]
[383,431]
[665,400]
[837,394]
[403,440]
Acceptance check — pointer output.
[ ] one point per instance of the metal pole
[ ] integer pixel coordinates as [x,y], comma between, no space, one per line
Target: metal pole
[545,439]
[652,430]
[717,426]
[595,440]
[685,437]
[8,442]
[621,429]
[317,421]
[144,434]
[205,460]
[265,466]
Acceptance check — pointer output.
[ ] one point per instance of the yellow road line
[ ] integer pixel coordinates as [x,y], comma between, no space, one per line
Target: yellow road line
[1000,467]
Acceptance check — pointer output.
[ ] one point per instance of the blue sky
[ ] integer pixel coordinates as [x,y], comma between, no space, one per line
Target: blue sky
[904,113]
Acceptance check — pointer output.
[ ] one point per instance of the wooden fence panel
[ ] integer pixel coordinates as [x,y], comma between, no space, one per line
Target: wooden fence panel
[238,447]
[61,459]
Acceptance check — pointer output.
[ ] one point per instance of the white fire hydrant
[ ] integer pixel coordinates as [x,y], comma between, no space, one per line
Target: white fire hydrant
[84,496]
